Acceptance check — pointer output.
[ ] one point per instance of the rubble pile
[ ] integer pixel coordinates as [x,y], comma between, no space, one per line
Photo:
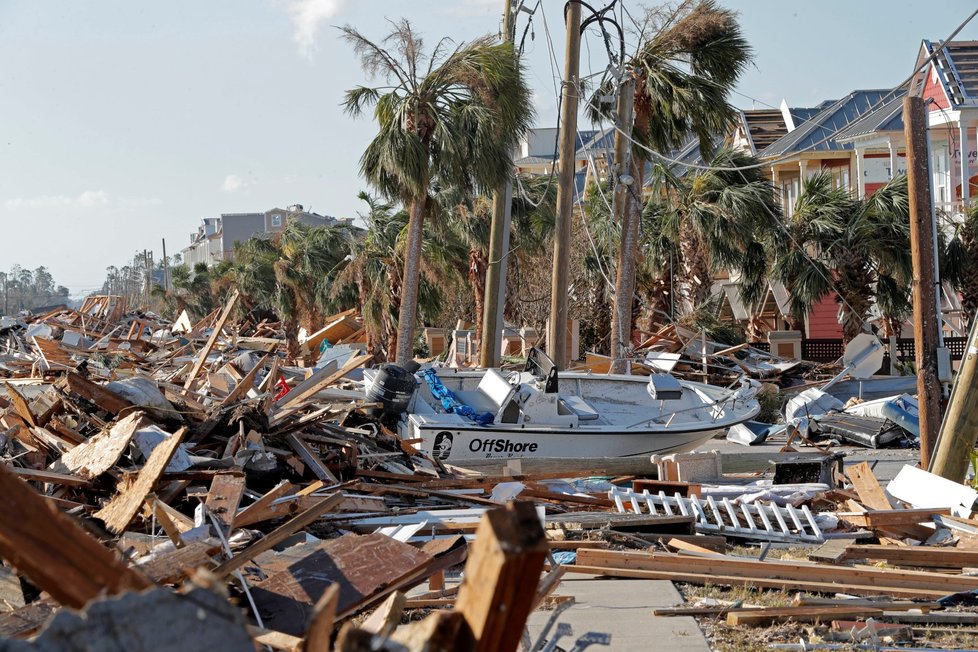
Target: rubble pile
[188,485]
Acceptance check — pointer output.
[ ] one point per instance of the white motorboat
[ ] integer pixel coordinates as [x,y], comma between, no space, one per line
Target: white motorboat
[534,413]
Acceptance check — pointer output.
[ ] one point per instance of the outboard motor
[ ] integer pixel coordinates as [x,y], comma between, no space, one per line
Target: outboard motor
[393,388]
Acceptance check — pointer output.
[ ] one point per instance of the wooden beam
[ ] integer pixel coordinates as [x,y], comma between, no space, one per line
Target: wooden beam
[244,384]
[206,351]
[794,571]
[120,511]
[888,517]
[310,458]
[868,488]
[501,576]
[54,552]
[279,535]
[818,614]
[718,579]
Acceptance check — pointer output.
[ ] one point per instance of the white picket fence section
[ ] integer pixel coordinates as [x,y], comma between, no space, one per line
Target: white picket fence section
[750,521]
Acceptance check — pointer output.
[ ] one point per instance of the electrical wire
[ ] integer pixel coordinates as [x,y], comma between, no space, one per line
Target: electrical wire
[786,157]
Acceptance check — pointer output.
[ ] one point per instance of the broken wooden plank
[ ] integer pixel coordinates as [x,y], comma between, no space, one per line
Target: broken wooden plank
[366,569]
[774,569]
[102,452]
[49,477]
[769,616]
[224,497]
[320,380]
[310,458]
[890,517]
[867,486]
[20,405]
[120,511]
[279,534]
[54,552]
[501,576]
[104,398]
[323,620]
[387,616]
[262,509]
[244,385]
[201,359]
[922,556]
[181,563]
[718,579]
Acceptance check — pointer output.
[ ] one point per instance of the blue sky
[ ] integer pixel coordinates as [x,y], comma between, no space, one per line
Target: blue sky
[122,123]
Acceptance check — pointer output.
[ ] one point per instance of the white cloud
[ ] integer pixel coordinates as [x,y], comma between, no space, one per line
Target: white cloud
[234,183]
[87,199]
[307,16]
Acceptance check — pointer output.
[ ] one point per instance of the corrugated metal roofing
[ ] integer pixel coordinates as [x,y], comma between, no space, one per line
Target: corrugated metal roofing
[815,134]
[888,117]
[959,63]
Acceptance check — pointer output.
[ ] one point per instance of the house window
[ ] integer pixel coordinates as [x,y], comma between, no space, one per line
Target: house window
[276,220]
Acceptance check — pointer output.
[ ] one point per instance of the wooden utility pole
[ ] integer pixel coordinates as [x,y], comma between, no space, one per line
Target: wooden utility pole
[502,204]
[621,318]
[925,326]
[557,330]
[959,431]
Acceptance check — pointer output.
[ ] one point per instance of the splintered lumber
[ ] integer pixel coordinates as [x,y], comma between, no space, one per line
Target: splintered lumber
[11,593]
[870,492]
[716,579]
[889,517]
[886,605]
[310,458]
[104,398]
[245,384]
[102,452]
[206,351]
[180,564]
[262,509]
[320,380]
[224,497]
[279,534]
[798,572]
[922,556]
[501,576]
[820,614]
[366,569]
[387,616]
[54,552]
[120,511]
[21,407]
[49,477]
[323,620]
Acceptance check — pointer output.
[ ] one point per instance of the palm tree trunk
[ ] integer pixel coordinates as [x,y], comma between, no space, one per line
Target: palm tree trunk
[477,281]
[409,285]
[696,267]
[621,317]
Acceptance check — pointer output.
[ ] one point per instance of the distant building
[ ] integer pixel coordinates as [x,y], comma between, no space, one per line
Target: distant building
[216,237]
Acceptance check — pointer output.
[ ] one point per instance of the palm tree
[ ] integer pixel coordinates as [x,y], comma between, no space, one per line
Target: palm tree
[533,208]
[683,75]
[374,272]
[452,115]
[859,248]
[720,220]
[961,262]
[291,274]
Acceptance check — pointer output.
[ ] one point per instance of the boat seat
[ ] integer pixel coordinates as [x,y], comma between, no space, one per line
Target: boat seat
[500,393]
[580,407]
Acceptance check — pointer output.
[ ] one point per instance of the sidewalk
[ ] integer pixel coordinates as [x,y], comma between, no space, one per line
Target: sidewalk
[623,608]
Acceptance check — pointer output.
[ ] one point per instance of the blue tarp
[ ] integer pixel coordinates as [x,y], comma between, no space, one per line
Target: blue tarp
[451,403]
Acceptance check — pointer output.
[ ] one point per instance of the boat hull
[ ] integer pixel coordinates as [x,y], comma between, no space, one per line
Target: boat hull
[455,445]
